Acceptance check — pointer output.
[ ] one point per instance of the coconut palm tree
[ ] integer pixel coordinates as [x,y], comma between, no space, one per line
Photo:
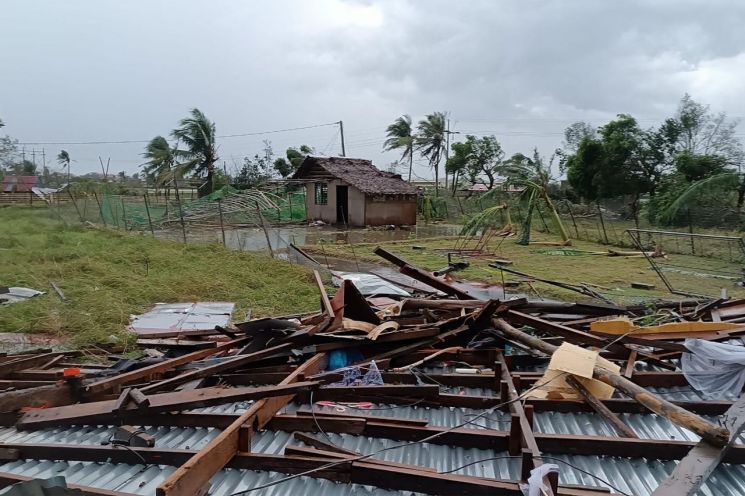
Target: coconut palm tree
[399,136]
[729,180]
[197,133]
[430,141]
[534,176]
[160,159]
[63,158]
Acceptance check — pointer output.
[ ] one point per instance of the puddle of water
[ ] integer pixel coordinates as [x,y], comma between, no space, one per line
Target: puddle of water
[254,239]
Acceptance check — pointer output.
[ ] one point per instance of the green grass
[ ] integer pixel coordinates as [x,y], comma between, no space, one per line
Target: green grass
[614,273]
[107,275]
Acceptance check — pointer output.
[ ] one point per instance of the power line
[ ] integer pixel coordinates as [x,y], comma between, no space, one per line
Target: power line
[123,142]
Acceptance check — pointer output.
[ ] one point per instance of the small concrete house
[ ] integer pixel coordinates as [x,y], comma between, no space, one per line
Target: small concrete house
[354,192]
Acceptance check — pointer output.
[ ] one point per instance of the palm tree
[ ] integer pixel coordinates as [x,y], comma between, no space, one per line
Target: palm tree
[430,141]
[532,175]
[729,180]
[197,133]
[399,137]
[63,158]
[160,159]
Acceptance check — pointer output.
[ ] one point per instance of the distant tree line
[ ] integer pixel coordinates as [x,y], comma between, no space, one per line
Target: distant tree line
[691,156]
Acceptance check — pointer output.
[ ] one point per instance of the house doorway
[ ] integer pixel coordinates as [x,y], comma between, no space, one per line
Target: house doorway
[342,205]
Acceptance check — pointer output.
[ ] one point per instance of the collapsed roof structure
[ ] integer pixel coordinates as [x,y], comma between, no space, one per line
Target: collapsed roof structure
[381,395]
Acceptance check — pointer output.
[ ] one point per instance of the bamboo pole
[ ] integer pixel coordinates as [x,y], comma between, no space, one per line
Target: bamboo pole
[711,433]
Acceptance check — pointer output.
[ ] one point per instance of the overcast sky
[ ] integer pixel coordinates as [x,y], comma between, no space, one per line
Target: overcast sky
[98,70]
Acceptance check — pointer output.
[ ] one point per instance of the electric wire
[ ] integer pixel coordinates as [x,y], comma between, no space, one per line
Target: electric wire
[507,457]
[390,448]
[121,142]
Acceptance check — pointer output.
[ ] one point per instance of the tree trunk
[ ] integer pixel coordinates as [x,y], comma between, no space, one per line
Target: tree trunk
[524,238]
[208,186]
[411,163]
[741,194]
[437,178]
[556,218]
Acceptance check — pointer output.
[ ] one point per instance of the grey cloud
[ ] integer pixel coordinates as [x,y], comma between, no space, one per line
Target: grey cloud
[85,69]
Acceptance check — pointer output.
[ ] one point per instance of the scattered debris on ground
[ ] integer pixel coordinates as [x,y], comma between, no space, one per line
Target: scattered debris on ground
[433,392]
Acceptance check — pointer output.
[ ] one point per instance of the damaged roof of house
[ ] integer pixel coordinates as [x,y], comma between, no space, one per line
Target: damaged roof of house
[360,173]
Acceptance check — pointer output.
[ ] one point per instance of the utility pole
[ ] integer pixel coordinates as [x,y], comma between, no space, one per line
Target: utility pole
[448,132]
[341,132]
[447,153]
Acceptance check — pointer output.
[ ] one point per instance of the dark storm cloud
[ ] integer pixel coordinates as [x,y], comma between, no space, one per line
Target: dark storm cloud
[86,70]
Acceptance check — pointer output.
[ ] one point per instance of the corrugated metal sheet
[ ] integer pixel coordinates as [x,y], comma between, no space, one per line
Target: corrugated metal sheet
[631,476]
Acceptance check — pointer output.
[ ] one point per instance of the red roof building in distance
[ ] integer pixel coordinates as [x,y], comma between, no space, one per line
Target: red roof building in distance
[19,184]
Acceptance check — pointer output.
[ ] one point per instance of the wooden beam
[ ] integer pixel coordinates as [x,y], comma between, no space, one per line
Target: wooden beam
[602,410]
[712,433]
[325,301]
[36,397]
[222,366]
[194,475]
[522,427]
[87,413]
[114,383]
[9,367]
[421,275]
[700,462]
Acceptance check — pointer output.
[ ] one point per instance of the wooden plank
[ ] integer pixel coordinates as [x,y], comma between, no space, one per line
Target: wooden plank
[325,301]
[524,427]
[700,462]
[163,402]
[712,433]
[113,383]
[222,366]
[421,275]
[602,410]
[629,371]
[8,368]
[193,476]
[36,397]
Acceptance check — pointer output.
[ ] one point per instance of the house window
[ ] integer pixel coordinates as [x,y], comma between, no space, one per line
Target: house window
[322,193]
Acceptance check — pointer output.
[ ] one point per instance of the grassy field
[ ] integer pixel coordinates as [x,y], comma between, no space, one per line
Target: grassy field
[107,275]
[613,274]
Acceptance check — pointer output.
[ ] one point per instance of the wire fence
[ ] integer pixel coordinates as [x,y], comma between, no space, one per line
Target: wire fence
[184,217]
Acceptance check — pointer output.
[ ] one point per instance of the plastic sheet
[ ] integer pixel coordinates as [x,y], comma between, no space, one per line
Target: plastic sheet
[714,369]
[535,484]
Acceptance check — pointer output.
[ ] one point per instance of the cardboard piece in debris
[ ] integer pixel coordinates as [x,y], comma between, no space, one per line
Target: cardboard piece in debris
[580,362]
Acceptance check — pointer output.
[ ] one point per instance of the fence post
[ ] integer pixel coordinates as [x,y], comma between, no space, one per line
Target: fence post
[690,230]
[180,210]
[266,233]
[100,210]
[289,199]
[602,222]
[124,213]
[222,226]
[149,219]
[75,205]
[571,214]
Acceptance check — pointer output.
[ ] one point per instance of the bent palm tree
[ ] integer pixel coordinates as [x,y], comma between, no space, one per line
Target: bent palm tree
[63,158]
[399,137]
[430,141]
[534,176]
[725,181]
[197,133]
[160,159]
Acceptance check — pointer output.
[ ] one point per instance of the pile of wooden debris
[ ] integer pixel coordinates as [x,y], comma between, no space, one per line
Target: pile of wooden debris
[521,357]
